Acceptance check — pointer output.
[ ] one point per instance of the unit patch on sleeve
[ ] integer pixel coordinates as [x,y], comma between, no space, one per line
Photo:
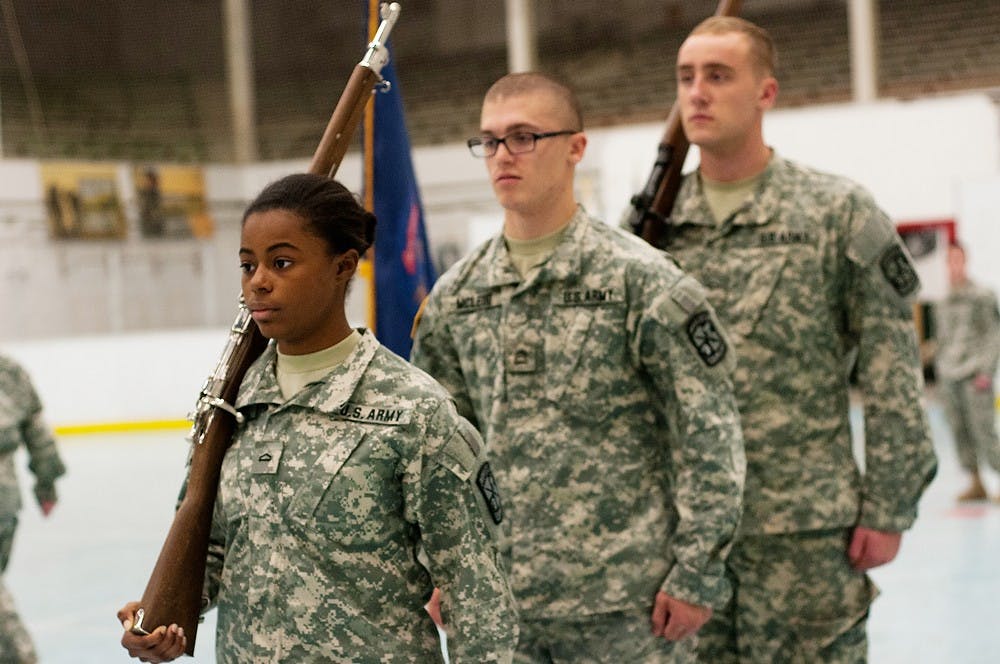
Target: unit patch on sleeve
[898,271]
[488,487]
[707,341]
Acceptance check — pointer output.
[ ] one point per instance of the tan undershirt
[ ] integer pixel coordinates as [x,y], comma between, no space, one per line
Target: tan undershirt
[527,255]
[296,371]
[724,198]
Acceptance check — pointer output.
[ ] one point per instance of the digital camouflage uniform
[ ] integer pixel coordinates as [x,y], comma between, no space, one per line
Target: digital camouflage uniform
[967,326]
[806,276]
[601,386]
[325,501]
[21,423]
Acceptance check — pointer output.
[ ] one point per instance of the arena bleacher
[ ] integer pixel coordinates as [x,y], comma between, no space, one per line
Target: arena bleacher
[147,81]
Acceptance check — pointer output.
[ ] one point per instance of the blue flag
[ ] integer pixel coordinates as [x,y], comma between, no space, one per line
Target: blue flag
[404,273]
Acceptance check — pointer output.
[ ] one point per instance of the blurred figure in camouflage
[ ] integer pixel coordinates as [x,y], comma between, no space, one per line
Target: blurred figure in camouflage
[811,280]
[600,379]
[21,423]
[350,464]
[967,327]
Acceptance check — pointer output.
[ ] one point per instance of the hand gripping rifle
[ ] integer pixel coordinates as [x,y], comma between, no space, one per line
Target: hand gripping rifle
[650,213]
[174,591]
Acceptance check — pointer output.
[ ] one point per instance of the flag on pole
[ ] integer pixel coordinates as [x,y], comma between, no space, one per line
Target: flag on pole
[404,272]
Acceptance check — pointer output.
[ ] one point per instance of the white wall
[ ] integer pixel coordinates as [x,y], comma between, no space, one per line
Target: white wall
[978,214]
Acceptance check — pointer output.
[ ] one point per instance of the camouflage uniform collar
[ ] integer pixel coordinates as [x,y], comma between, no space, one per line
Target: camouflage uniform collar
[563,261]
[694,208]
[261,385]
[964,287]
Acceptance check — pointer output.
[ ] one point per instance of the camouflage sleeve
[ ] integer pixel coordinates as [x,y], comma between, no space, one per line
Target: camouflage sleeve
[459,510]
[989,351]
[899,455]
[686,353]
[434,352]
[43,454]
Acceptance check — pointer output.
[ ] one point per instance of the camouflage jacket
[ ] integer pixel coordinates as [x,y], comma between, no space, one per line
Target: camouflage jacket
[967,327]
[601,385]
[810,278]
[21,423]
[325,501]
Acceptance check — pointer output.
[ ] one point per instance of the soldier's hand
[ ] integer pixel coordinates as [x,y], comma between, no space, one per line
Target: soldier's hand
[433,607]
[674,619]
[983,382]
[47,506]
[162,645]
[871,548]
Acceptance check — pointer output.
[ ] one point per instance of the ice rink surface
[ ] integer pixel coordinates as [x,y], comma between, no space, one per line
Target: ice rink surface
[70,573]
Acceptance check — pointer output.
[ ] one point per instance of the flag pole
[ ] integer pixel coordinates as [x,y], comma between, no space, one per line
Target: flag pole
[368,265]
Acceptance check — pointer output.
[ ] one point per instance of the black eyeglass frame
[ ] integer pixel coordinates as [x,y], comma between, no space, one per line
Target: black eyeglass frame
[480,141]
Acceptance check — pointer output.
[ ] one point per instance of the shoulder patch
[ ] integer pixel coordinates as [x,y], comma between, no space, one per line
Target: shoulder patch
[491,494]
[707,341]
[898,270]
[872,240]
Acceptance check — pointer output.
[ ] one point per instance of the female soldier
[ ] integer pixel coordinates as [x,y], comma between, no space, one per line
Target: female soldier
[349,463]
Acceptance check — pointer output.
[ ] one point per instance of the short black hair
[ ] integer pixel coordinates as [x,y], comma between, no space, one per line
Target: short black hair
[331,211]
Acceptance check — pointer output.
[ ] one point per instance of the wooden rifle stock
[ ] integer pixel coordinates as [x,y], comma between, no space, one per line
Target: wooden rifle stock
[650,214]
[173,594]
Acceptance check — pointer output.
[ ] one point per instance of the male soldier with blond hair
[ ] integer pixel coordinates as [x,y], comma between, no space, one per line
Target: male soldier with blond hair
[811,280]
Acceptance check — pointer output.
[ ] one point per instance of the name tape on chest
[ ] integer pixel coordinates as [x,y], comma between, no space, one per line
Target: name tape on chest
[467,303]
[356,412]
[776,238]
[588,296]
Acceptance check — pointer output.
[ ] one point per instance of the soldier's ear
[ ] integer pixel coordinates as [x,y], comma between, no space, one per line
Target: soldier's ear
[577,146]
[347,263]
[768,95]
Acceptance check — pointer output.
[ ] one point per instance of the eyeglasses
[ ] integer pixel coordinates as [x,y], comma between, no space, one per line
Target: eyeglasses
[517,142]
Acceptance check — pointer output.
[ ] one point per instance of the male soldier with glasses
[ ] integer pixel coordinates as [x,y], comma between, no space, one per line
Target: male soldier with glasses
[600,379]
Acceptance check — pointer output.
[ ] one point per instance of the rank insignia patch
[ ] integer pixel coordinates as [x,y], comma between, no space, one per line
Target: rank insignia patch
[488,487]
[707,341]
[898,271]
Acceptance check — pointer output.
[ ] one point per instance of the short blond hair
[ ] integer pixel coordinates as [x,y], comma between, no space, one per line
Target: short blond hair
[765,56]
[522,83]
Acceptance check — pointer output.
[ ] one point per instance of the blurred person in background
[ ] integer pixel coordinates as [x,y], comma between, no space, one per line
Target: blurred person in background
[21,424]
[967,328]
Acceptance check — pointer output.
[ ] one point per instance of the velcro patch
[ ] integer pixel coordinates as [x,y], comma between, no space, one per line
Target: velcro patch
[688,294]
[491,494]
[898,271]
[706,338]
[525,359]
